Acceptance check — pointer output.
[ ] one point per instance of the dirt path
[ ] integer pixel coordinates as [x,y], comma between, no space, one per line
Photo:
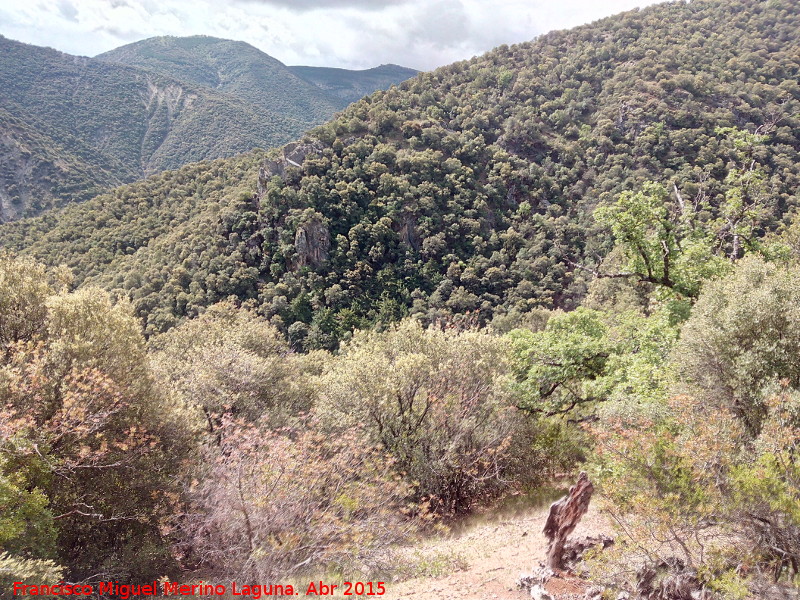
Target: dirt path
[491,557]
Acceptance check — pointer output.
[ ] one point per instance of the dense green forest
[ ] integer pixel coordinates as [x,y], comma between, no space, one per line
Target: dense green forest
[75,126]
[578,252]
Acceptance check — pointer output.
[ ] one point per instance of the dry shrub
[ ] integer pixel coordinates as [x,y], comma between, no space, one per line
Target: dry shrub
[692,486]
[436,401]
[273,504]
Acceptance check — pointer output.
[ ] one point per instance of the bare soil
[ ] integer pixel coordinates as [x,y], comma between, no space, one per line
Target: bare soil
[484,561]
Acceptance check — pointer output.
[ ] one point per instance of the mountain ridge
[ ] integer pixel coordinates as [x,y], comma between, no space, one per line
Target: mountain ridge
[350,85]
[232,67]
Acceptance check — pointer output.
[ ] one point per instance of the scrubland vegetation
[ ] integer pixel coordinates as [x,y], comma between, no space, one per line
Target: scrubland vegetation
[217,448]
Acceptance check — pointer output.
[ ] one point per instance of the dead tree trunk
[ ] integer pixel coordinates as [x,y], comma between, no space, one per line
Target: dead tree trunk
[564,516]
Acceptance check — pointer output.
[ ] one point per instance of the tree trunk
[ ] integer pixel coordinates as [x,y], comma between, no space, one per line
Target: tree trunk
[564,517]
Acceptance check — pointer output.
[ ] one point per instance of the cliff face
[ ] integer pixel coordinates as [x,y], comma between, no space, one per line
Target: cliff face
[312,242]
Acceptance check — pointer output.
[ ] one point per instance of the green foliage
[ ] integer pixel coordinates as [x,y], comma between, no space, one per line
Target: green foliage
[743,335]
[678,247]
[26,524]
[712,477]
[466,196]
[747,198]
[662,248]
[30,571]
[438,407]
[585,357]
[231,361]
[172,217]
[23,293]
[559,366]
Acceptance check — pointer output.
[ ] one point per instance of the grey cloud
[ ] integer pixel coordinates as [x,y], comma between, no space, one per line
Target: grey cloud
[125,36]
[307,5]
[441,24]
[68,11]
[427,35]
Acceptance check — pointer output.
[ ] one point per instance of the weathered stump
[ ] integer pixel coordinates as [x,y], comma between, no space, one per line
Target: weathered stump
[564,517]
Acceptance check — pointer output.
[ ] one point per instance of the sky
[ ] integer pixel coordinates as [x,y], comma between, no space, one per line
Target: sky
[355,34]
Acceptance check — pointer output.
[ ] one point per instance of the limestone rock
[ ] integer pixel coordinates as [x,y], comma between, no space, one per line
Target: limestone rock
[292,155]
[312,242]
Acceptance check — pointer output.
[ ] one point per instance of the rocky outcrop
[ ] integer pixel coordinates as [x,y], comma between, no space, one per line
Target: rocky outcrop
[408,233]
[312,242]
[669,580]
[292,155]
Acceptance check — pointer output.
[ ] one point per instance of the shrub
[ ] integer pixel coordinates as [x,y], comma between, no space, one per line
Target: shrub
[692,485]
[436,401]
[89,450]
[274,503]
[30,571]
[743,335]
[231,360]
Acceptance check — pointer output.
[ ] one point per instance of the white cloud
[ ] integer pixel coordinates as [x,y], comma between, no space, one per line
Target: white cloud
[306,5]
[342,33]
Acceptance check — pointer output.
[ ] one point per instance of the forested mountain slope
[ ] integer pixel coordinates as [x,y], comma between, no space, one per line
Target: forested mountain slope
[72,126]
[120,122]
[235,68]
[348,86]
[467,190]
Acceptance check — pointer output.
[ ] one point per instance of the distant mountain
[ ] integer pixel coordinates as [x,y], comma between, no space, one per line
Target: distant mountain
[350,86]
[72,126]
[234,68]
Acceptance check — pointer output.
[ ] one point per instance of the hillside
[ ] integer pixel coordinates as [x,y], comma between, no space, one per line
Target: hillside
[349,86]
[35,170]
[234,68]
[467,190]
[74,126]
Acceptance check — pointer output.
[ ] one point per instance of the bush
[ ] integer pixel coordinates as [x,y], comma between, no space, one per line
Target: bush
[271,504]
[89,450]
[692,485]
[230,360]
[743,335]
[30,571]
[436,401]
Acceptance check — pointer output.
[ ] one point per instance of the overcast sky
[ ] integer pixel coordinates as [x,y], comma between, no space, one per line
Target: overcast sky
[339,33]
